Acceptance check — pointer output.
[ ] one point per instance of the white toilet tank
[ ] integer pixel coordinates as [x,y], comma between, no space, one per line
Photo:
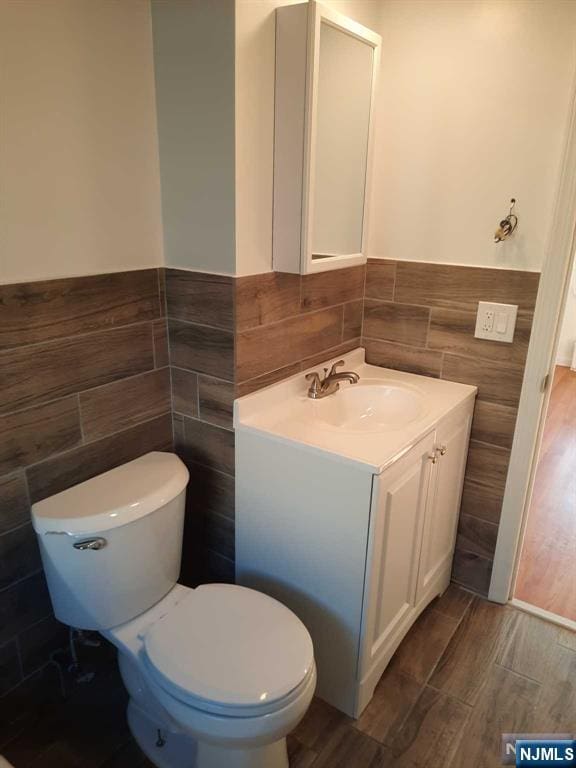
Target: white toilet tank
[111,546]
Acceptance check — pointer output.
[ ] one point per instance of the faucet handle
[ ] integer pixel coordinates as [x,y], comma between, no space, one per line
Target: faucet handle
[316,384]
[335,365]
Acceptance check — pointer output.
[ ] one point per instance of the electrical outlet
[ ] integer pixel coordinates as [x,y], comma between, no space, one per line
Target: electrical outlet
[496,322]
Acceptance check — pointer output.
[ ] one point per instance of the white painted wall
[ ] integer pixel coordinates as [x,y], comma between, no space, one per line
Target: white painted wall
[79,178]
[567,340]
[194,66]
[472,106]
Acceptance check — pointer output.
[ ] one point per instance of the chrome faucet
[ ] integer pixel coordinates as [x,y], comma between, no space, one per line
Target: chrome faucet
[330,382]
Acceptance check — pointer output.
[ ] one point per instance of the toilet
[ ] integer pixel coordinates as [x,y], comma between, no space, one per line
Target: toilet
[217,675]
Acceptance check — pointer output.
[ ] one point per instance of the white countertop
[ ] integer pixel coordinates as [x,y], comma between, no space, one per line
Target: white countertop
[285,412]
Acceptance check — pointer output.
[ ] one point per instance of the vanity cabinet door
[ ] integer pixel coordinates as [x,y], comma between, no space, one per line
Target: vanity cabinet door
[441,520]
[398,506]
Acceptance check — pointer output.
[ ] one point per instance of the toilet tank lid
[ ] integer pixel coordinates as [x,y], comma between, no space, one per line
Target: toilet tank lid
[114,498]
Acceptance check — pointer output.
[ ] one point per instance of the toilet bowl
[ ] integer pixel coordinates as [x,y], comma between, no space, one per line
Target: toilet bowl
[217,675]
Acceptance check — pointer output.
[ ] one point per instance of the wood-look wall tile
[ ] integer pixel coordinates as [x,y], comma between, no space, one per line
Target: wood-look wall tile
[53,309]
[162,290]
[216,400]
[14,506]
[200,297]
[185,392]
[380,278]
[217,569]
[122,404]
[472,571]
[266,298]
[207,445]
[10,674]
[19,554]
[39,641]
[160,337]
[353,312]
[494,423]
[270,347]
[219,535]
[487,464]
[482,501]
[57,474]
[329,354]
[22,605]
[32,375]
[456,287]
[496,383]
[400,323]
[252,385]
[453,331]
[477,536]
[35,433]
[424,362]
[202,349]
[337,286]
[213,491]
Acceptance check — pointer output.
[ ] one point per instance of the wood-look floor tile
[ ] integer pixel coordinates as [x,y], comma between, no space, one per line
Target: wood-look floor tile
[496,382]
[200,297]
[216,400]
[430,734]
[202,349]
[125,403]
[160,336]
[454,602]
[457,287]
[299,756]
[54,309]
[33,375]
[556,705]
[336,286]
[526,649]
[477,536]
[349,748]
[353,312]
[453,331]
[424,362]
[270,347]
[61,472]
[400,323]
[185,392]
[380,277]
[472,571]
[463,667]
[394,697]
[424,644]
[494,423]
[506,705]
[14,506]
[319,722]
[266,298]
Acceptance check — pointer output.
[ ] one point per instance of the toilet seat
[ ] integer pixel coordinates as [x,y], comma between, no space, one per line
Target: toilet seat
[229,650]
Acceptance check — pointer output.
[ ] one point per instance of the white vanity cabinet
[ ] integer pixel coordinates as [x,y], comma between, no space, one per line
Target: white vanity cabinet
[356,548]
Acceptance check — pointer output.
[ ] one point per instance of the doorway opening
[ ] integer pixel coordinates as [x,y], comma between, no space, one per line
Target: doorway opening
[546,576]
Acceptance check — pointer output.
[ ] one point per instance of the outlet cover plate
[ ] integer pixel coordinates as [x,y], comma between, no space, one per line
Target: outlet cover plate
[496,322]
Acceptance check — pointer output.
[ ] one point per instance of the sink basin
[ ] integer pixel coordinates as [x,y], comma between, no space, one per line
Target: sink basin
[370,406]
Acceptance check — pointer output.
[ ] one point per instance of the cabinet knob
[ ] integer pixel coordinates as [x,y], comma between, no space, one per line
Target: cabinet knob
[433,457]
[443,449]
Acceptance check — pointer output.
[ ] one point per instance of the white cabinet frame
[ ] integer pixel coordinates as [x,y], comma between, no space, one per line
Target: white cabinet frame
[296,96]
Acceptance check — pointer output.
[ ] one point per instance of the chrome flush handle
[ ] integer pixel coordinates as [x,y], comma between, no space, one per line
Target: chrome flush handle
[97,543]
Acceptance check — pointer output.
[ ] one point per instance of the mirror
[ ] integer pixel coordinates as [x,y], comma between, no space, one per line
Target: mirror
[341,143]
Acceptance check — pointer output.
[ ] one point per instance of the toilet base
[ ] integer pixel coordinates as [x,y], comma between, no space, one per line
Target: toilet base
[181,751]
